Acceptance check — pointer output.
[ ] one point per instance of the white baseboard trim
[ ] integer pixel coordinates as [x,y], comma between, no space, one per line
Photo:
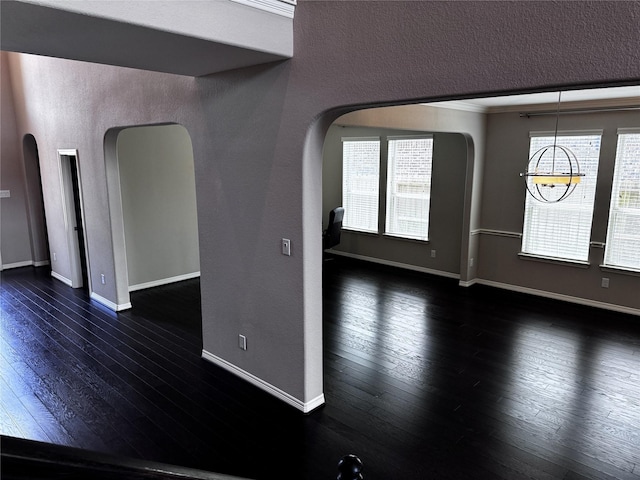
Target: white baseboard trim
[109,304]
[490,283]
[390,263]
[163,281]
[64,280]
[560,296]
[305,407]
[26,263]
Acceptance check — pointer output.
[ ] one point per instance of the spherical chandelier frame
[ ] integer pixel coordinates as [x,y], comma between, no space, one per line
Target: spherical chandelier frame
[564,174]
[544,175]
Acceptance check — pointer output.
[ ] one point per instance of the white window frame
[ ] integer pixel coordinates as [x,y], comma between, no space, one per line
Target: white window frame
[570,219]
[360,214]
[622,248]
[395,224]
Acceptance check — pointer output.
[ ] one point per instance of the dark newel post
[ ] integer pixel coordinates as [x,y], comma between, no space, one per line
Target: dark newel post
[350,468]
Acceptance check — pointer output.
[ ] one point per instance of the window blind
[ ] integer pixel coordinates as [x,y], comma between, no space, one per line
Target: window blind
[409,168]
[623,233]
[360,183]
[563,230]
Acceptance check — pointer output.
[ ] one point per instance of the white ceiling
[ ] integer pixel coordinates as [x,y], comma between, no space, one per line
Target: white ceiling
[567,96]
[613,95]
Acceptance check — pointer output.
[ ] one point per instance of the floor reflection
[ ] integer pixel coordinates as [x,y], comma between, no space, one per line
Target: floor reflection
[565,392]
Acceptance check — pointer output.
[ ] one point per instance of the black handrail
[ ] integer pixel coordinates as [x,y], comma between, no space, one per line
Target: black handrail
[28,459]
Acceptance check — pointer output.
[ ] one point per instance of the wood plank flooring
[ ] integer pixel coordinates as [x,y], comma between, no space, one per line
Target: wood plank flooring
[423,380]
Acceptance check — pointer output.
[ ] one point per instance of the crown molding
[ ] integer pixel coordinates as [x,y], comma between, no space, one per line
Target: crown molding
[465,106]
[470,106]
[284,8]
[568,106]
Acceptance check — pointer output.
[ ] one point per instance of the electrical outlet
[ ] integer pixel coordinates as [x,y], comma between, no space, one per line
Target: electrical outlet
[605,282]
[471,262]
[242,342]
[433,254]
[55,257]
[102,280]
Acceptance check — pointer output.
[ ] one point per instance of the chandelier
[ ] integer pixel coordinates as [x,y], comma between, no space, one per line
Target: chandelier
[553,172]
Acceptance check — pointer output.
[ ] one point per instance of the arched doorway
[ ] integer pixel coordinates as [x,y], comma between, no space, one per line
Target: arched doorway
[151,181]
[35,203]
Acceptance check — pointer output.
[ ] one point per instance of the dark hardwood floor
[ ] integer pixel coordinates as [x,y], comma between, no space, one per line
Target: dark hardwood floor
[423,380]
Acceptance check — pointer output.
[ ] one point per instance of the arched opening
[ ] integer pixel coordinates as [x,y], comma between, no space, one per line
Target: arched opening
[35,203]
[419,187]
[361,310]
[151,181]
[484,145]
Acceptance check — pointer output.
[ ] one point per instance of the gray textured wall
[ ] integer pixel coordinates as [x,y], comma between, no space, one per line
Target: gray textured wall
[503,209]
[157,183]
[15,244]
[257,139]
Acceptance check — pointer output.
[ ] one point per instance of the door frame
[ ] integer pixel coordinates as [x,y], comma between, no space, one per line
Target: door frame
[69,215]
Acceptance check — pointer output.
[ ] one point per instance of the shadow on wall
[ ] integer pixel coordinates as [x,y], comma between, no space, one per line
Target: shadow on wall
[35,203]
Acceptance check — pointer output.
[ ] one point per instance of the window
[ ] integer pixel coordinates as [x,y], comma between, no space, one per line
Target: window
[409,187]
[623,233]
[360,183]
[563,230]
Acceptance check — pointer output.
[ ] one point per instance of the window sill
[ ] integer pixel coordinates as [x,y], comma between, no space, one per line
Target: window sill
[360,232]
[406,239]
[554,260]
[621,270]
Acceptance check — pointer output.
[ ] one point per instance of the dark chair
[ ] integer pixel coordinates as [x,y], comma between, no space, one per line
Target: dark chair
[331,236]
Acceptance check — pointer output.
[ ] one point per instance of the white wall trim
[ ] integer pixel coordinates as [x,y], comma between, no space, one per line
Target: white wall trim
[286,8]
[621,270]
[556,261]
[559,296]
[305,407]
[164,281]
[490,283]
[465,106]
[390,263]
[64,280]
[26,263]
[109,304]
[496,233]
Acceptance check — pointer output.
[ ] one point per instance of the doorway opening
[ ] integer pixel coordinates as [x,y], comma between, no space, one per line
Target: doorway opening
[152,204]
[73,212]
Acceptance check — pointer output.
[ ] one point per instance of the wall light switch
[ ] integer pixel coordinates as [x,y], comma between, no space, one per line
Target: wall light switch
[286,246]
